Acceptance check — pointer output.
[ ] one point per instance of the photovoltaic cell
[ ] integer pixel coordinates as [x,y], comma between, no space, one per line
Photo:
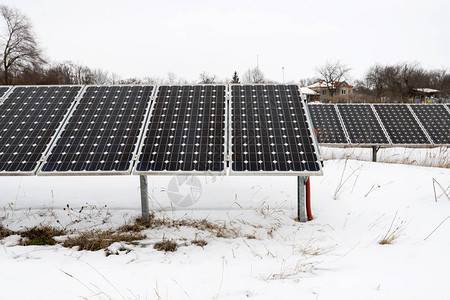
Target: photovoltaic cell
[436,121]
[186,130]
[362,125]
[270,131]
[3,90]
[29,119]
[327,124]
[400,124]
[102,133]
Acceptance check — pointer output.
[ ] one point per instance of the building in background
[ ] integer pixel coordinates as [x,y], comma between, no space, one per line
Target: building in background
[310,95]
[427,95]
[340,90]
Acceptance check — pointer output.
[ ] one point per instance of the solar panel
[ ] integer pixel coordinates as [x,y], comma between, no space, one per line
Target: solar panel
[29,120]
[3,90]
[401,124]
[362,124]
[186,131]
[435,118]
[270,131]
[327,124]
[101,135]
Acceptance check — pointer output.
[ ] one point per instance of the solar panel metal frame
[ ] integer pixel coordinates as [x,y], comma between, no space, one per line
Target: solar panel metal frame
[392,145]
[57,131]
[95,173]
[311,127]
[183,173]
[273,173]
[344,129]
[5,95]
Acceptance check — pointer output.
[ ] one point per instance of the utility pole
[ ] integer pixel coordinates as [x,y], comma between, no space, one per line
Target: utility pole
[282,69]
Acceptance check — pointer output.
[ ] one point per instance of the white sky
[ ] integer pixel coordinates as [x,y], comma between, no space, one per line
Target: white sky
[137,38]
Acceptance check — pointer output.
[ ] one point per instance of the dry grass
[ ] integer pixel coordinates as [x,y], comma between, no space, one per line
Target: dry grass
[217,229]
[95,240]
[199,242]
[40,235]
[393,232]
[293,271]
[5,232]
[166,246]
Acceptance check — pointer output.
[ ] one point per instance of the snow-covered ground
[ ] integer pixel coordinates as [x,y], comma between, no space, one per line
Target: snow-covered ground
[335,256]
[430,157]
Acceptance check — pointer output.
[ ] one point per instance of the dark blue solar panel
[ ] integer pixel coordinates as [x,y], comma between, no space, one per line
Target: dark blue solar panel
[29,119]
[186,130]
[435,118]
[362,125]
[327,124]
[103,131]
[270,131]
[400,124]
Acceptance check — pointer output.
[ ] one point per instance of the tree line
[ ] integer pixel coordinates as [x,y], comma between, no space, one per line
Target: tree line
[23,62]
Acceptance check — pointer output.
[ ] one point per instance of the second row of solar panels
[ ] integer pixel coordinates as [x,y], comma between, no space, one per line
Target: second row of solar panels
[381,124]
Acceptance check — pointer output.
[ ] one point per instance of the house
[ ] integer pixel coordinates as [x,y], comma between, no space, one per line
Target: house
[340,89]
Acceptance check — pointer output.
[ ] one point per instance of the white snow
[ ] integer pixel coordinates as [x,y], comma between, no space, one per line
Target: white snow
[308,91]
[335,256]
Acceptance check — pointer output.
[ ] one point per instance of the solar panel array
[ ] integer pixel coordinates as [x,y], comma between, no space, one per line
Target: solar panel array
[436,121]
[327,124]
[250,129]
[362,124]
[270,130]
[102,133]
[383,124]
[186,130]
[400,124]
[29,119]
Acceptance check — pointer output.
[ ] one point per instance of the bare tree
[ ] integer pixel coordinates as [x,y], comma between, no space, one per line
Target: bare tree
[308,81]
[332,73]
[172,78]
[375,79]
[206,78]
[254,75]
[20,49]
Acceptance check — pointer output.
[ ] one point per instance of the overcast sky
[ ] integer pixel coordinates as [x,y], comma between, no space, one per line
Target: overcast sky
[136,38]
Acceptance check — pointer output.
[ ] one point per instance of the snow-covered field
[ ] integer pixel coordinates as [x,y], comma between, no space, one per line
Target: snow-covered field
[335,256]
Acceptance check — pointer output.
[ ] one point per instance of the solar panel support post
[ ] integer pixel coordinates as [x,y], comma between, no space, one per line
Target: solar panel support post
[144,197]
[374,153]
[301,199]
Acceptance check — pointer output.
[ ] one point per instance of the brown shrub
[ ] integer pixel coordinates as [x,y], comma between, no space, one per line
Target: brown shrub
[4,232]
[166,245]
[96,240]
[40,235]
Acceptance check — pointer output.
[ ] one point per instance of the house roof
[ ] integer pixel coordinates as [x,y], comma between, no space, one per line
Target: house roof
[323,84]
[308,91]
[427,90]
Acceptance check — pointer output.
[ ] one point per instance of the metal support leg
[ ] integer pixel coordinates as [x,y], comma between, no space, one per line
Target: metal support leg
[144,198]
[374,153]
[301,206]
